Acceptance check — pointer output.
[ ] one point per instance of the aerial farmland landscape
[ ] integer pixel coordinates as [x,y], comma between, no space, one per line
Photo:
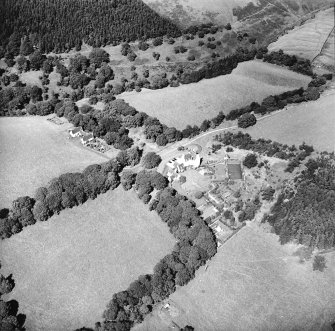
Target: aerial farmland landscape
[167,165]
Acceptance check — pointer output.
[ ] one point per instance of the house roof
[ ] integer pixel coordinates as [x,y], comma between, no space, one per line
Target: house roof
[75,130]
[88,137]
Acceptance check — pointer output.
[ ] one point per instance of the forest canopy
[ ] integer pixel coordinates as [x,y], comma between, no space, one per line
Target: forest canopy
[306,214]
[58,25]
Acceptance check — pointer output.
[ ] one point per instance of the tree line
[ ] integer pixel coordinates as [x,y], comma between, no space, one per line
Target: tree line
[195,241]
[58,26]
[267,147]
[196,244]
[65,191]
[306,214]
[10,320]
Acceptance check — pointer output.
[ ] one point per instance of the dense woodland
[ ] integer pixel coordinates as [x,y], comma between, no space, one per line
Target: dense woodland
[59,26]
[306,214]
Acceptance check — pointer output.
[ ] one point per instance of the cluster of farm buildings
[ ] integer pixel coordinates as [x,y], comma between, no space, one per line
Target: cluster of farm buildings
[220,174]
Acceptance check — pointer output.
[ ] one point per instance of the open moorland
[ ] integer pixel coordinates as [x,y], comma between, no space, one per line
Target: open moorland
[186,12]
[33,151]
[312,122]
[67,269]
[308,39]
[253,283]
[193,103]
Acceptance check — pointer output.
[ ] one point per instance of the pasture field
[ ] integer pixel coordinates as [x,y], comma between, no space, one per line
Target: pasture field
[308,39]
[312,122]
[326,60]
[193,103]
[32,77]
[253,283]
[67,269]
[32,152]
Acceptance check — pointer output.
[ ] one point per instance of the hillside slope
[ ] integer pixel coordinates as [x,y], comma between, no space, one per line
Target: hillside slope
[59,25]
[189,12]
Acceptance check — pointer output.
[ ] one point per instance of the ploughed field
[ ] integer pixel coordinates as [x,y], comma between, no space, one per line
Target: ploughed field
[193,103]
[32,152]
[67,269]
[310,122]
[253,283]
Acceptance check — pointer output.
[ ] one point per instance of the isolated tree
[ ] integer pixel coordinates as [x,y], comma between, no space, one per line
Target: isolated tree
[97,56]
[36,60]
[250,160]
[247,120]
[319,263]
[151,160]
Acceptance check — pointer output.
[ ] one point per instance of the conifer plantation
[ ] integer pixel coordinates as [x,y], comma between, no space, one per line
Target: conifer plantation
[58,25]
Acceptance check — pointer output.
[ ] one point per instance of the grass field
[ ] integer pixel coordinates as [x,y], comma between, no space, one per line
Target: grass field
[33,151]
[193,103]
[308,39]
[67,269]
[326,59]
[312,122]
[253,283]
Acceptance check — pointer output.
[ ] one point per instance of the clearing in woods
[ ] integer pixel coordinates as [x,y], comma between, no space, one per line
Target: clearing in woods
[311,122]
[253,283]
[308,39]
[33,151]
[67,269]
[193,103]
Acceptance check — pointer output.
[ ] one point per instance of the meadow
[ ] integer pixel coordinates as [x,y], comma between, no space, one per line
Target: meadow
[311,122]
[33,151]
[193,103]
[67,269]
[253,283]
[308,39]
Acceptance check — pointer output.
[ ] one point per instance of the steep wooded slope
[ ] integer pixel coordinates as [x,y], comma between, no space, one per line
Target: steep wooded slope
[58,25]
